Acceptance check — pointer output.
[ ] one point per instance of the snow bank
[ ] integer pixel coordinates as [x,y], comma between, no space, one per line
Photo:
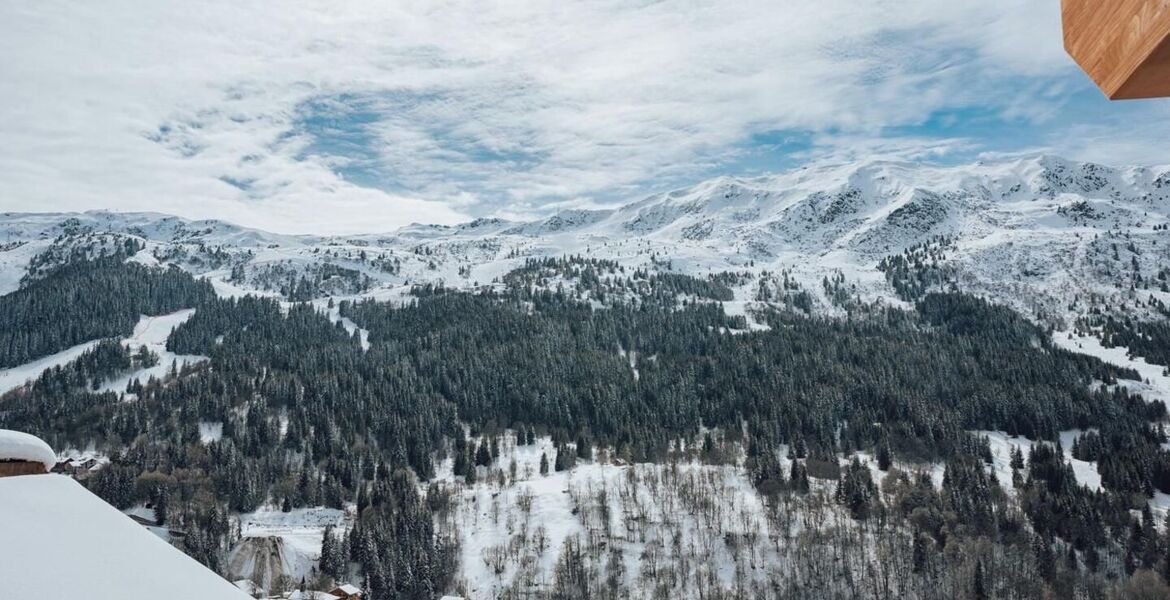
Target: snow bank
[61,541]
[16,445]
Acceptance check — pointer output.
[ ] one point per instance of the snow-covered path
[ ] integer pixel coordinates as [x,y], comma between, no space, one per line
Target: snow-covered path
[15,377]
[151,332]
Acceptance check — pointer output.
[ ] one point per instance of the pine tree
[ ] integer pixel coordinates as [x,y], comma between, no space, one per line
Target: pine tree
[857,491]
[483,456]
[799,477]
[363,498]
[333,553]
[885,457]
[1017,458]
[459,469]
[543,463]
[565,459]
[584,448]
[920,552]
[980,585]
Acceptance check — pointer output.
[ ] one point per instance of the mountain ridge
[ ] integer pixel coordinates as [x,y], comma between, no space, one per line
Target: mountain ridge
[1032,232]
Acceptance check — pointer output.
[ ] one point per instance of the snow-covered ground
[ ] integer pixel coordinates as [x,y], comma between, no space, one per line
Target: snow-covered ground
[1002,445]
[210,432]
[1086,471]
[152,333]
[640,516]
[1155,385]
[14,259]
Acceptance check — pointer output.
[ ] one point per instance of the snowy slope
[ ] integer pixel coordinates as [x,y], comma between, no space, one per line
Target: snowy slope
[640,517]
[67,543]
[150,332]
[15,377]
[654,530]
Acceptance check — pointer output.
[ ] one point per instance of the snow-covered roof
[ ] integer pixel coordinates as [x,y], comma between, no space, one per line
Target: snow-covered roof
[348,590]
[309,595]
[50,520]
[17,445]
[248,587]
[142,512]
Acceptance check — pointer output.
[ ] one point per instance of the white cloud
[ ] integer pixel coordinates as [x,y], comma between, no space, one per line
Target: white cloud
[197,108]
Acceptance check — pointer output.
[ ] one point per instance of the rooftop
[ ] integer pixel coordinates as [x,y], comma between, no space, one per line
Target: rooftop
[20,446]
[50,520]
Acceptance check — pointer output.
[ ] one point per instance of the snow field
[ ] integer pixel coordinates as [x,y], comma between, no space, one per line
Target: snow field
[697,525]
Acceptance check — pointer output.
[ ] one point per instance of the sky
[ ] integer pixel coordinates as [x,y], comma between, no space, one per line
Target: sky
[320,116]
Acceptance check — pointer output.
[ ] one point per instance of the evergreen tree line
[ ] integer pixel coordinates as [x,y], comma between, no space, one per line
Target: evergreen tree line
[88,300]
[310,418]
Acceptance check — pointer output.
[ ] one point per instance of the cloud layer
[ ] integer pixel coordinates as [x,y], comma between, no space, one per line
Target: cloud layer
[313,115]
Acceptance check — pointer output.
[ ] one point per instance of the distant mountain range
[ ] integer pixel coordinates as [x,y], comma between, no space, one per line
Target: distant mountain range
[1051,237]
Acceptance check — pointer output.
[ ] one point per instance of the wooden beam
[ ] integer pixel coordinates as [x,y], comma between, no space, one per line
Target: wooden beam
[1124,45]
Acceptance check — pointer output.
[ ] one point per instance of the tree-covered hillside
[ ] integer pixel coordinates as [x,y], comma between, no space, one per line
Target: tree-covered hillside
[310,417]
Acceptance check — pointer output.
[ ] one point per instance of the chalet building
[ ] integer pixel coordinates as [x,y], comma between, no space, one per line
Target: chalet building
[24,454]
[346,592]
[148,518]
[12,468]
[77,467]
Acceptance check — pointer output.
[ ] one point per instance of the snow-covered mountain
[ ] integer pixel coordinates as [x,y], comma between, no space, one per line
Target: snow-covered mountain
[1053,238]
[1050,237]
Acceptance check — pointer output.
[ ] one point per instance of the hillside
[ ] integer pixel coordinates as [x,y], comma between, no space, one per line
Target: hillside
[851,381]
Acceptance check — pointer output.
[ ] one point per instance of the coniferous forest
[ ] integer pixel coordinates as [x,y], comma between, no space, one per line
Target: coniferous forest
[311,417]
